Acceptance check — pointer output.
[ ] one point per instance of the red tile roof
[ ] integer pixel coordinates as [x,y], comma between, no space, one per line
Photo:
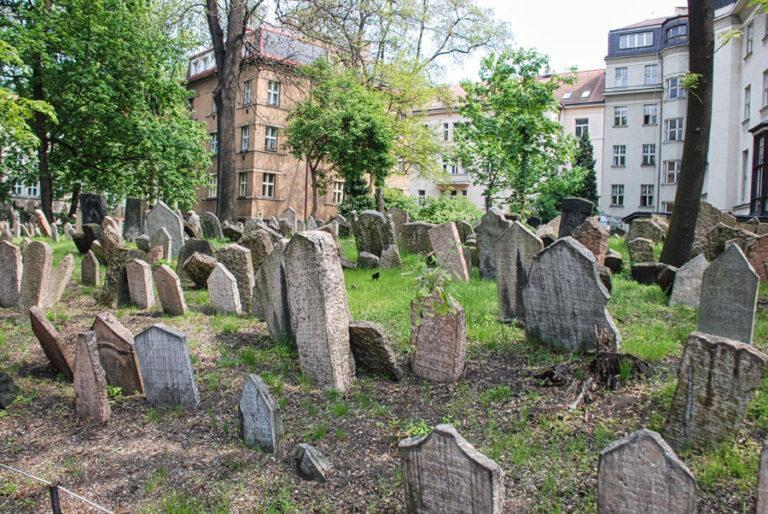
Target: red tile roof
[590,83]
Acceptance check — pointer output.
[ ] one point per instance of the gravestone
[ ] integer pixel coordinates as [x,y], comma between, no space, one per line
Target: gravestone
[286,228]
[222,289]
[238,261]
[93,208]
[260,245]
[465,231]
[311,224]
[162,216]
[115,290]
[42,223]
[641,473]
[289,215]
[198,267]
[492,225]
[757,253]
[719,236]
[192,225]
[414,237]
[133,226]
[646,228]
[90,272]
[514,250]
[117,355]
[716,380]
[448,252]
[594,237]
[311,464]
[399,218]
[443,473]
[640,250]
[371,350]
[91,401]
[7,235]
[614,261]
[55,233]
[271,293]
[729,297]
[141,287]
[367,260]
[374,232]
[211,226]
[687,287]
[319,312]
[232,231]
[762,482]
[191,247]
[51,342]
[565,301]
[166,368]
[162,239]
[260,424]
[439,339]
[10,274]
[169,291]
[142,243]
[60,277]
[573,212]
[35,277]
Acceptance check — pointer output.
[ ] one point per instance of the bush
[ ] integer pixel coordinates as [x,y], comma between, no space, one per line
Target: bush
[547,202]
[395,198]
[449,208]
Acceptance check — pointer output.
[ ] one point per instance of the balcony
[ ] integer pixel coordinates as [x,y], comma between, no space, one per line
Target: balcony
[461,179]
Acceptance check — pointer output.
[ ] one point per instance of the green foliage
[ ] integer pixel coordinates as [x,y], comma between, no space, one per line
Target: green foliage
[357,196]
[585,159]
[570,182]
[418,428]
[394,198]
[449,208]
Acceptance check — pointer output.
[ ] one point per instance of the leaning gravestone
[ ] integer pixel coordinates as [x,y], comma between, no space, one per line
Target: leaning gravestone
[42,223]
[90,273]
[443,473]
[260,244]
[222,289]
[163,216]
[117,355]
[399,218]
[374,232]
[93,208]
[60,277]
[371,350]
[51,343]
[141,287]
[211,226]
[169,291]
[35,277]
[270,292]
[414,237]
[716,380]
[10,274]
[565,301]
[641,473]
[191,247]
[161,238]
[729,296]
[573,212]
[447,248]
[640,250]
[289,215]
[197,268]
[260,423]
[311,464]
[166,368]
[514,250]
[439,338]
[594,237]
[492,225]
[238,261]
[133,226]
[646,228]
[319,311]
[91,401]
[687,287]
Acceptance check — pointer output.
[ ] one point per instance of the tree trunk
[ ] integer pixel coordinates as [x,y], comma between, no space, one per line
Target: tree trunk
[313,177]
[75,200]
[680,237]
[379,198]
[41,131]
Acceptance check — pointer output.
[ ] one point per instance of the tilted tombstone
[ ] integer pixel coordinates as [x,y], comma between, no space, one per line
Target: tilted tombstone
[729,296]
[91,401]
[573,212]
[311,464]
[399,218]
[465,230]
[719,237]
[166,368]
[594,237]
[35,277]
[42,223]
[238,261]
[93,208]
[117,355]
[319,311]
[641,473]
[191,247]
[448,251]
[716,380]
[311,223]
[192,225]
[60,277]
[374,232]
[260,423]
[90,272]
[289,215]
[162,216]
[260,244]
[646,228]
[51,342]
[444,473]
[514,250]
[565,301]
[222,290]
[371,350]
[10,274]
[135,211]
[162,239]
[197,268]
[439,339]
[271,293]
[115,290]
[141,287]
[169,291]
[55,233]
[687,286]
[414,237]
[640,250]
[211,226]
[492,225]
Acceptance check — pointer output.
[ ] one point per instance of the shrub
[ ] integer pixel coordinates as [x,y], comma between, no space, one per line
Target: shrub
[449,208]
[396,198]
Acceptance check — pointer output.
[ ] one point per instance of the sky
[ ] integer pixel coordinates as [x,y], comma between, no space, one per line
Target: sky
[570,32]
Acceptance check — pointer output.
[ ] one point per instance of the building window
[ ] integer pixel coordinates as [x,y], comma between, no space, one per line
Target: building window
[582,127]
[213,186]
[650,114]
[617,195]
[619,155]
[446,131]
[673,129]
[213,104]
[245,138]
[649,155]
[671,172]
[747,102]
[17,189]
[586,93]
[678,31]
[749,40]
[765,82]
[651,74]
[567,95]
[758,202]
[268,185]
[619,116]
[338,192]
[422,196]
[646,195]
[463,192]
[247,93]
[270,139]
[638,40]
[675,88]
[242,184]
[667,207]
[744,174]
[622,77]
[454,192]
[273,93]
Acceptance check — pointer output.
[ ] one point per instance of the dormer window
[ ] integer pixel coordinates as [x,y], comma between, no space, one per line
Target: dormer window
[678,31]
[637,40]
[586,93]
[567,95]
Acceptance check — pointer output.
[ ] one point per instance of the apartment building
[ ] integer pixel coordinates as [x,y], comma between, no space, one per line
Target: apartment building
[269,179]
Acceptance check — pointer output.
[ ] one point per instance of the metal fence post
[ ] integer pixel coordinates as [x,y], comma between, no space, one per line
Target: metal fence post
[55,505]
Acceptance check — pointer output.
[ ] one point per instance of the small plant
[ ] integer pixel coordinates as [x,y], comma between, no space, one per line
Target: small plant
[625,370]
[115,392]
[338,409]
[316,432]
[498,394]
[212,380]
[417,429]
[431,291]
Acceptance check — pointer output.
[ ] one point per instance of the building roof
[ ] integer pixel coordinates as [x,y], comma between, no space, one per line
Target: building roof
[652,22]
[588,87]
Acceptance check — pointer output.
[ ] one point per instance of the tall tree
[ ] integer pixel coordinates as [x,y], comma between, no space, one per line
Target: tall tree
[701,44]
[585,159]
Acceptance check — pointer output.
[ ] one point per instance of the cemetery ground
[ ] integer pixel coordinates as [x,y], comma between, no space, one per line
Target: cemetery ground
[149,460]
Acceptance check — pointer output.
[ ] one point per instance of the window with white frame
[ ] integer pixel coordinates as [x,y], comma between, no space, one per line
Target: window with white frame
[338,191]
[567,95]
[646,195]
[586,93]
[446,131]
[649,155]
[678,31]
[744,175]
[651,74]
[622,77]
[675,89]
[637,40]
[242,184]
[749,39]
[747,102]
[213,186]
[619,155]
[247,93]
[619,116]
[671,172]
[673,129]
[582,127]
[273,93]
[667,207]
[245,138]
[650,114]
[18,188]
[32,190]
[270,139]
[268,185]
[617,195]
[765,83]
[214,143]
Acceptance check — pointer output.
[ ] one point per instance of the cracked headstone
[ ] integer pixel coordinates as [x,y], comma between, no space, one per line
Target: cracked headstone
[514,250]
[51,342]
[91,401]
[117,355]
[260,424]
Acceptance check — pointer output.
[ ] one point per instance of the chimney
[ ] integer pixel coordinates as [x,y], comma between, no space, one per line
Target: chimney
[681,11]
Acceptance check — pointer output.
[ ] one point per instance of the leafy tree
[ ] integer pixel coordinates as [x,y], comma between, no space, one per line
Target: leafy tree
[357,196]
[585,160]
[510,144]
[395,198]
[449,208]
[548,200]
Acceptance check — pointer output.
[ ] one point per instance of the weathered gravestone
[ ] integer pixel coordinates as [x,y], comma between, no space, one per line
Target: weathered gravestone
[162,239]
[573,212]
[443,473]
[222,289]
[260,245]
[141,287]
[211,226]
[640,250]
[289,215]
[414,237]
[133,226]
[35,277]
[162,216]
[594,237]
[260,424]
[198,268]
[319,311]
[688,279]
[465,231]
[646,228]
[448,251]
[762,482]
[270,292]
[729,297]
[169,291]
[42,223]
[7,235]
[117,355]
[374,233]
[238,261]
[716,380]
[367,260]
[492,225]
[232,231]
[311,464]
[192,225]
[60,277]
[93,208]
[641,473]
[10,274]
[166,369]
[514,250]
[90,272]
[91,401]
[371,350]
[439,338]
[565,301]
[399,218]
[191,247]
[719,237]
[115,290]
[51,343]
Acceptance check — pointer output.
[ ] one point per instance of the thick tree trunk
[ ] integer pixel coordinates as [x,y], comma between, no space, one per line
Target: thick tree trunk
[41,131]
[75,201]
[380,198]
[680,237]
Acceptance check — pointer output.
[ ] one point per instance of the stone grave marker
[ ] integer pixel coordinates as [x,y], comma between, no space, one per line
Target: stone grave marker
[51,342]
[237,260]
[640,250]
[90,272]
[163,216]
[93,208]
[374,232]
[42,223]
[10,277]
[646,228]
[115,345]
[260,244]
[211,226]
[162,239]
[141,286]
[91,401]
[439,339]
[514,250]
[448,252]
[492,225]
[270,293]
[687,286]
[169,291]
[260,424]
[222,289]
[311,464]
[135,221]
[371,350]
[35,277]
[60,277]
[594,237]
[414,237]
[573,212]
[197,268]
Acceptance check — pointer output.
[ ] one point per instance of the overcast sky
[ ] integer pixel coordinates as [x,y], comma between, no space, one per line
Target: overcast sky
[570,32]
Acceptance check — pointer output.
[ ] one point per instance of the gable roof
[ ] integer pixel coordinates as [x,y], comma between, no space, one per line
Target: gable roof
[590,83]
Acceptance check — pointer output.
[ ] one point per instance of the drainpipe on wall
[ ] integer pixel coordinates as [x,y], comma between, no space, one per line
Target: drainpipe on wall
[306,185]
